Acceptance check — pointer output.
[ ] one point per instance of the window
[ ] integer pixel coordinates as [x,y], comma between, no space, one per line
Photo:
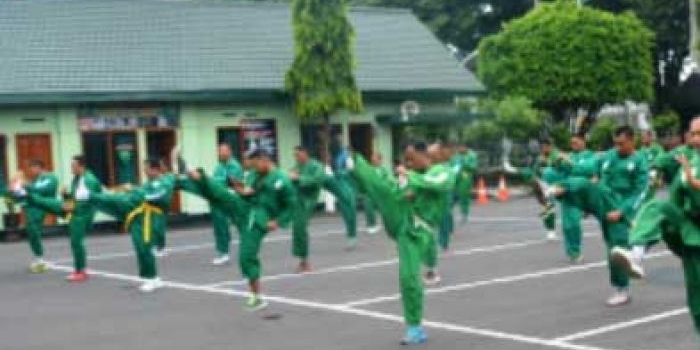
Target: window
[3,161]
[112,156]
[312,134]
[231,137]
[260,133]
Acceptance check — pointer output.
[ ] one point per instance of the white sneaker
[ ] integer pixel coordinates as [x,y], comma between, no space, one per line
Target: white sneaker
[151,285]
[431,279]
[351,244]
[221,260]
[626,260]
[551,235]
[373,230]
[621,297]
[159,253]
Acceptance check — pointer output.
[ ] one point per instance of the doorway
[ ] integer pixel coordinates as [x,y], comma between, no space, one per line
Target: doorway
[159,144]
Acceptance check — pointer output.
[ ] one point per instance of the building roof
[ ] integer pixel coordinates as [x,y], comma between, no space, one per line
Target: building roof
[92,50]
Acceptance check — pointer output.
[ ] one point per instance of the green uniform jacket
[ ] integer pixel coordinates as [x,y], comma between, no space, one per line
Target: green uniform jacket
[430,189]
[580,164]
[45,185]
[227,169]
[627,177]
[311,177]
[687,199]
[652,152]
[274,199]
[93,185]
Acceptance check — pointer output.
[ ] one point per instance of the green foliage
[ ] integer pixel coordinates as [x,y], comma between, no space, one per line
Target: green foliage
[667,123]
[512,117]
[600,137]
[561,57]
[561,135]
[321,79]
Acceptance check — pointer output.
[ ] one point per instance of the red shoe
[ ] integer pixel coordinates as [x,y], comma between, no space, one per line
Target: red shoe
[76,277]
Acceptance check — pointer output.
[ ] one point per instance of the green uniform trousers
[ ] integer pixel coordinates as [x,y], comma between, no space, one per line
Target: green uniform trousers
[446,228]
[370,210]
[220,218]
[300,227]
[571,226]
[35,227]
[341,187]
[463,190]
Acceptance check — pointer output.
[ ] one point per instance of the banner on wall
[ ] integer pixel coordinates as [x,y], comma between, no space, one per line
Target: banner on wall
[120,118]
[260,134]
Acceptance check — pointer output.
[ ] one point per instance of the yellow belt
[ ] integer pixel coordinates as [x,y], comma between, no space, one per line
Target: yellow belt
[147,210]
[69,215]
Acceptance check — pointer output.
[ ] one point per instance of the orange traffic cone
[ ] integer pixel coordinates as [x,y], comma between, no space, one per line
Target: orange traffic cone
[482,196]
[503,193]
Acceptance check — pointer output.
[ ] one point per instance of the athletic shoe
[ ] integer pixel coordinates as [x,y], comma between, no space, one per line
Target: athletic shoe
[77,277]
[576,259]
[221,260]
[304,267]
[38,266]
[255,303]
[621,297]
[552,235]
[414,336]
[431,279]
[373,230]
[624,258]
[159,253]
[150,285]
[351,244]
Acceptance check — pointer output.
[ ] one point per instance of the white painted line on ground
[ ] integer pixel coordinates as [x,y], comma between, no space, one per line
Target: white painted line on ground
[347,310]
[622,325]
[497,281]
[367,265]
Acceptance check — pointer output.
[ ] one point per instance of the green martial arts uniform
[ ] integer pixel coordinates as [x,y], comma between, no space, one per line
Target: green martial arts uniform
[144,213]
[308,186]
[340,186]
[651,153]
[45,185]
[468,166]
[677,222]
[222,233]
[446,227]
[578,164]
[367,203]
[168,180]
[548,214]
[273,198]
[412,223]
[628,178]
[81,218]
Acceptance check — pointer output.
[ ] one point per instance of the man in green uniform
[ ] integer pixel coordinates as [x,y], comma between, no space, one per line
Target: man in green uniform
[625,174]
[548,158]
[228,167]
[676,221]
[468,164]
[580,162]
[442,156]
[651,150]
[370,207]
[411,210]
[307,177]
[268,204]
[169,180]
[340,187]
[144,212]
[43,184]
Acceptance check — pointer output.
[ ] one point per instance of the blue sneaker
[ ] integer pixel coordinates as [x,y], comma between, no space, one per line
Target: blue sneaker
[414,336]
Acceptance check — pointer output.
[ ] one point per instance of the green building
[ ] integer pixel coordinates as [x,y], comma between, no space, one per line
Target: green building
[122,80]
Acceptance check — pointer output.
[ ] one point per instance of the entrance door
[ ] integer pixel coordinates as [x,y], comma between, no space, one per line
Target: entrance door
[30,147]
[159,144]
[232,137]
[361,139]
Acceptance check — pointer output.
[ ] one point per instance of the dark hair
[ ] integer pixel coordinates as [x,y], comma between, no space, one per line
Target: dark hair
[80,159]
[301,149]
[579,135]
[419,146]
[153,163]
[545,141]
[36,162]
[259,153]
[625,130]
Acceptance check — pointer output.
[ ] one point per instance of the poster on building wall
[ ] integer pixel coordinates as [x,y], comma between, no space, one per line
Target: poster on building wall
[104,119]
[260,134]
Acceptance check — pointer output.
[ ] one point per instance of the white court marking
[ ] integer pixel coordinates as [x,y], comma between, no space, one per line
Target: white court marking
[623,325]
[348,311]
[388,262]
[497,281]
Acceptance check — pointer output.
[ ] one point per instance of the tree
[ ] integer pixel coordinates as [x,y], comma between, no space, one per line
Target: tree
[512,117]
[321,80]
[563,58]
[670,21]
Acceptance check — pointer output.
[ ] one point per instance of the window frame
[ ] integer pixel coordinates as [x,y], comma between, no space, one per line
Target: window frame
[111,171]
